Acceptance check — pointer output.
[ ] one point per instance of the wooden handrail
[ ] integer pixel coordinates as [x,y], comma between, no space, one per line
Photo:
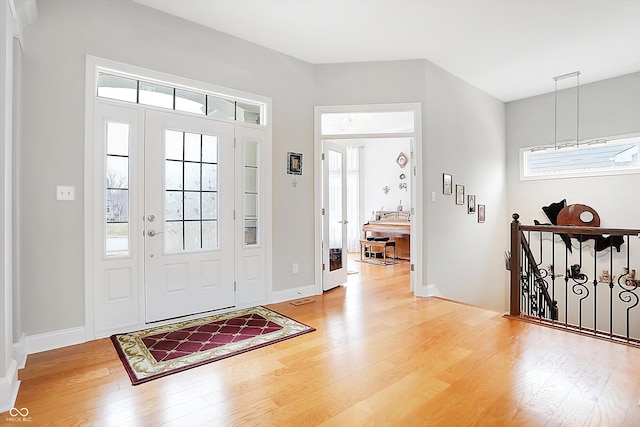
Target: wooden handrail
[597,231]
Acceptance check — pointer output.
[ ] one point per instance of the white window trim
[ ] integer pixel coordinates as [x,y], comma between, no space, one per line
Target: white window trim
[585,174]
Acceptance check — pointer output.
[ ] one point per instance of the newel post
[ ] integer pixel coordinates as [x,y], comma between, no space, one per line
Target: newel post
[514,266]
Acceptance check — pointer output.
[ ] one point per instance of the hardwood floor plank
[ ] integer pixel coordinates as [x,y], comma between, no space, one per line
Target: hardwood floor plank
[549,401]
[379,356]
[620,392]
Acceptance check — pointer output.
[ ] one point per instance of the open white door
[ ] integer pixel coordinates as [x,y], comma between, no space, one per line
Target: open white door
[334,229]
[189,210]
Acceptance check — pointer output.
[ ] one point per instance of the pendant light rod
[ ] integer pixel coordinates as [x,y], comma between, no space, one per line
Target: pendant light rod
[567,76]
[575,74]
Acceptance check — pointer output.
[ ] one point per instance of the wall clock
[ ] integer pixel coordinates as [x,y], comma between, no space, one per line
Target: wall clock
[402,160]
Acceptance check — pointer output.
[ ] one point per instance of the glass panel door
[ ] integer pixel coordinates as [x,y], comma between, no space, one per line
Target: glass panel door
[189,215]
[335,223]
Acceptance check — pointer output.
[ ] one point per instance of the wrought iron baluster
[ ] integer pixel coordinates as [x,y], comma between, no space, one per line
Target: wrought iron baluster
[628,286]
[611,289]
[580,241]
[553,269]
[540,263]
[566,285]
[595,291]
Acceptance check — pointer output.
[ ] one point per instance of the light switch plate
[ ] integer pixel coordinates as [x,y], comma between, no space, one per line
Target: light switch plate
[65,192]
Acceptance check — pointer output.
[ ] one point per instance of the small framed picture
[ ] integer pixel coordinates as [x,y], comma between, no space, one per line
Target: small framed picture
[471,204]
[294,163]
[459,194]
[447,183]
[480,213]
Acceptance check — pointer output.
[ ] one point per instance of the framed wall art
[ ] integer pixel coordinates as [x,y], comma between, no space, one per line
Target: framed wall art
[294,163]
[471,204]
[459,194]
[447,183]
[481,213]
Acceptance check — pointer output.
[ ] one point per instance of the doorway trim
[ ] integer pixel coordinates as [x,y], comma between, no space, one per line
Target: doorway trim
[416,181]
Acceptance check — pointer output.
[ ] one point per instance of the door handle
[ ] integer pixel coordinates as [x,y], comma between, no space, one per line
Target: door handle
[152,233]
[344,221]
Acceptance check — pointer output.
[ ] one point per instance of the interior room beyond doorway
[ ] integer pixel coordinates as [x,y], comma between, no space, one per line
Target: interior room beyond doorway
[378,191]
[376,181]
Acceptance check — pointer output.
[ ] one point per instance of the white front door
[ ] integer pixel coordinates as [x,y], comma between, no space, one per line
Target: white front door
[189,215]
[334,240]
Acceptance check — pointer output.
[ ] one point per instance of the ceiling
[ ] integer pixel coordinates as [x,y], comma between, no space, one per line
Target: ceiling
[510,49]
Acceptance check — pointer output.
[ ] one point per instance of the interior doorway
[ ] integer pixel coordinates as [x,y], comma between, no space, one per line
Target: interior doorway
[392,175]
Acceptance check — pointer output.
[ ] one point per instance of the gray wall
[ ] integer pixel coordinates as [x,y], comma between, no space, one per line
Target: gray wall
[17,136]
[51,233]
[464,134]
[609,107]
[6,83]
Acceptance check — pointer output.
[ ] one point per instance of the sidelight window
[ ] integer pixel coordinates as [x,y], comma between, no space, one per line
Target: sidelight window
[117,189]
[251,194]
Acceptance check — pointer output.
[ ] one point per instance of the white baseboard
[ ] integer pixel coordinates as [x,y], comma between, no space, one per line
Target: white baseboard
[291,294]
[20,352]
[55,339]
[433,291]
[9,386]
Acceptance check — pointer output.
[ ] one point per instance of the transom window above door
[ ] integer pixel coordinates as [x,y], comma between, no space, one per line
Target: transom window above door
[164,95]
[369,123]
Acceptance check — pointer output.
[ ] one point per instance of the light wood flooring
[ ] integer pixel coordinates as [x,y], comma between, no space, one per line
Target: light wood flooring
[379,356]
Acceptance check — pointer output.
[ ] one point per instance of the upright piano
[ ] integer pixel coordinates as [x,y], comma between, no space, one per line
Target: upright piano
[395,225]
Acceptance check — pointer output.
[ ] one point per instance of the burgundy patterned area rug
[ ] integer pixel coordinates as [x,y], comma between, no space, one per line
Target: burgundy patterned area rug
[154,353]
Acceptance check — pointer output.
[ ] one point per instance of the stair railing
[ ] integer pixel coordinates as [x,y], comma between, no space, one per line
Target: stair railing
[557,284]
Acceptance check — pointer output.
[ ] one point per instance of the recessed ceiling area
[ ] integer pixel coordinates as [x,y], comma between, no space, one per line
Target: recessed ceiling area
[509,49]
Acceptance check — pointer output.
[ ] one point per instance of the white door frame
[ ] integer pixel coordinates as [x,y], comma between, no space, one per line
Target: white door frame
[415,180]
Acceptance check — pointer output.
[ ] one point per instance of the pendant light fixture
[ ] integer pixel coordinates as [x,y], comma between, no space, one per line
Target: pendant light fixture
[567,143]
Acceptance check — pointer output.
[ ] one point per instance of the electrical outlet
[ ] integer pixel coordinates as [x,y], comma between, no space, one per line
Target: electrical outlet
[65,192]
[295,268]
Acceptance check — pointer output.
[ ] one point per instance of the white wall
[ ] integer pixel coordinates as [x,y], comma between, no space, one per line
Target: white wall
[380,169]
[51,233]
[609,107]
